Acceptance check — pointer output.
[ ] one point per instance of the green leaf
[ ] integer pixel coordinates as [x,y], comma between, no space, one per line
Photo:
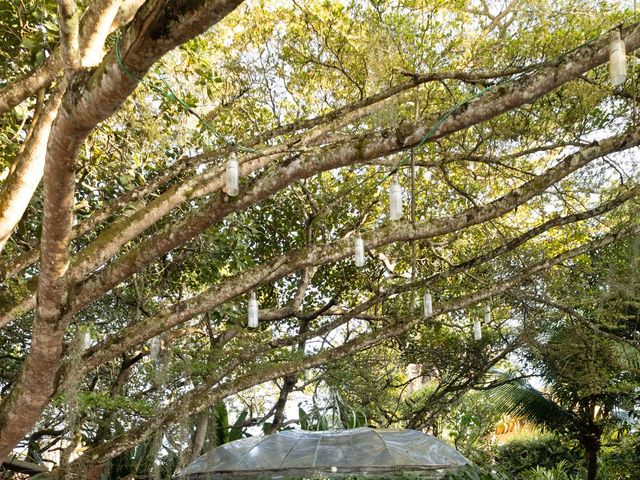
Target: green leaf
[304,419]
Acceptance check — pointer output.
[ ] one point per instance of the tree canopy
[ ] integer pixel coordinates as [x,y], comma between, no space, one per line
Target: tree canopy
[127,267]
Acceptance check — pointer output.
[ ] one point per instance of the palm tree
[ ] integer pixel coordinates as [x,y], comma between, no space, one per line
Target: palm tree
[586,351]
[577,407]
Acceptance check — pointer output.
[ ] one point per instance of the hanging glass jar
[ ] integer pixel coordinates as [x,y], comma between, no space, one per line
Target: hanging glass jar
[617,60]
[252,321]
[86,340]
[395,199]
[477,330]
[427,304]
[232,177]
[487,314]
[154,348]
[358,251]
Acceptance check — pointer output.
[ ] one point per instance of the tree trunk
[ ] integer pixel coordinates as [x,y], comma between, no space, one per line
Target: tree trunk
[591,443]
[202,422]
[278,418]
[91,97]
[592,463]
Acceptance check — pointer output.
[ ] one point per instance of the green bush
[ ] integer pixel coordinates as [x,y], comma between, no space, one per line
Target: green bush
[518,457]
[472,472]
[621,460]
[559,472]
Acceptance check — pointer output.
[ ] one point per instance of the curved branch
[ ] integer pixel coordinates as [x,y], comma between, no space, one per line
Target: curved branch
[219,207]
[125,230]
[29,165]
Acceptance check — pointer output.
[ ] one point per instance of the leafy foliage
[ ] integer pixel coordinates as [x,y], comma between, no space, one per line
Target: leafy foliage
[470,472]
[517,458]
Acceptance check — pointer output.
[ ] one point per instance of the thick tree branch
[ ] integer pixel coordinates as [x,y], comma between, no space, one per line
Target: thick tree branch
[219,208]
[94,29]
[28,168]
[69,24]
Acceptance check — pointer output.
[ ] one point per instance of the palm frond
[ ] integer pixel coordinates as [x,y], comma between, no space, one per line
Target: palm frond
[519,398]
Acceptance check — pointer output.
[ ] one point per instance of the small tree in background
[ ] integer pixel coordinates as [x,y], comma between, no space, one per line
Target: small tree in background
[588,356]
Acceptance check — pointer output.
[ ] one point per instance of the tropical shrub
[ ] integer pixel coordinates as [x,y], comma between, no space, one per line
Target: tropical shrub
[473,472]
[519,457]
[621,460]
[559,472]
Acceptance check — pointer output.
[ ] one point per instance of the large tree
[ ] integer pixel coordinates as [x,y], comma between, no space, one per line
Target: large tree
[514,152]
